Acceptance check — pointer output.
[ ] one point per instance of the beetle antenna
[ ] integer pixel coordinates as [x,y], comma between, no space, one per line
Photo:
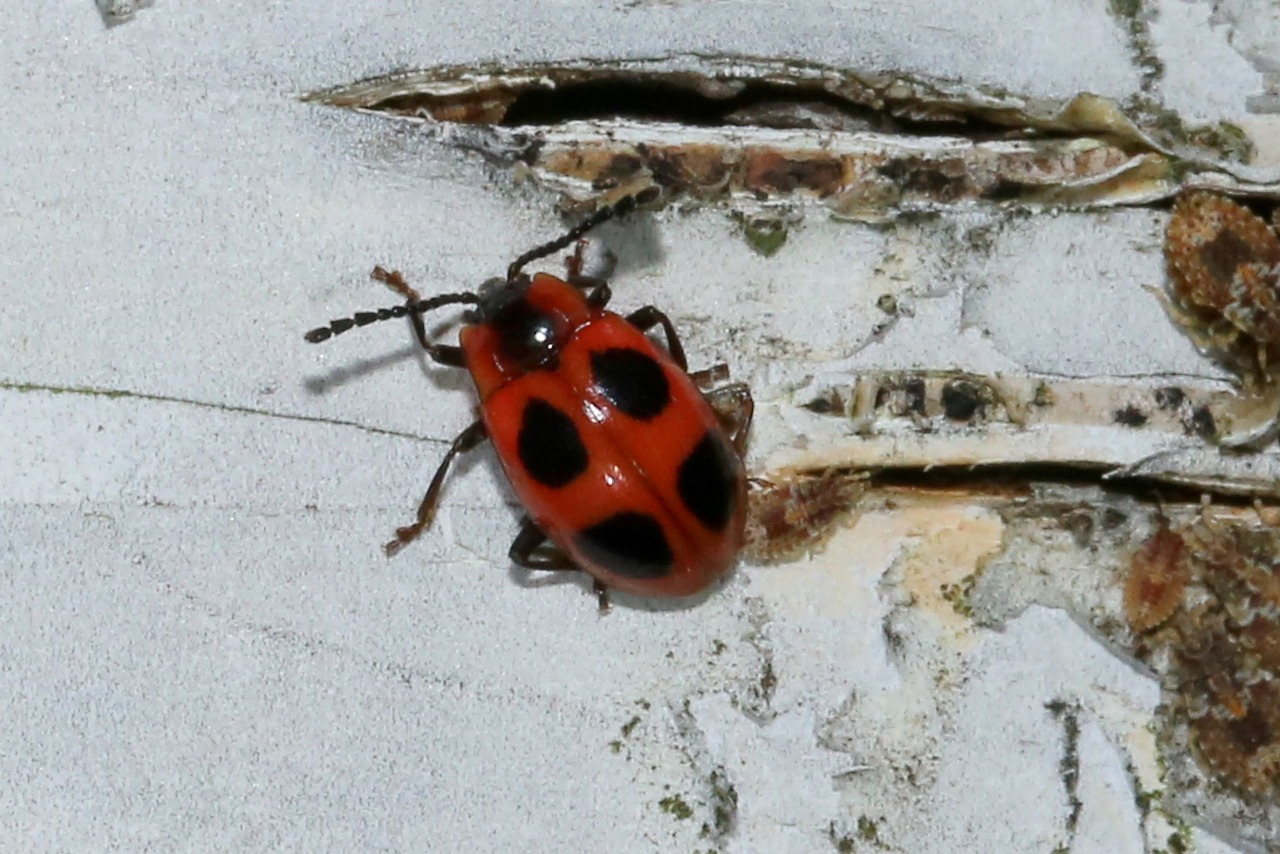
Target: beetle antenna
[364,318]
[622,207]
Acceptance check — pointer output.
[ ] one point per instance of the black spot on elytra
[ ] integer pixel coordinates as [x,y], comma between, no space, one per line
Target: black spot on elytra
[549,445]
[631,381]
[629,544]
[707,482]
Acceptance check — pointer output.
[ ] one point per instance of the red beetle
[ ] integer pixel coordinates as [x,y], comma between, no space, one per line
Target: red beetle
[619,459]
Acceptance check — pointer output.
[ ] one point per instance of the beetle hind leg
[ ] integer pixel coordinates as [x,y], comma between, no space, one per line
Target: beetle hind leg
[732,403]
[734,408]
[530,550]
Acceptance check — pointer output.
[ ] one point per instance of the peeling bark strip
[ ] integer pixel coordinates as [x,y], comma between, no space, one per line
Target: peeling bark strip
[768,137]
[1115,429]
[865,145]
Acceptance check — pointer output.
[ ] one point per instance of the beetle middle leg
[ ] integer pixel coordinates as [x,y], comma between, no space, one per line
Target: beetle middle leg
[465,441]
[530,550]
[648,317]
[643,319]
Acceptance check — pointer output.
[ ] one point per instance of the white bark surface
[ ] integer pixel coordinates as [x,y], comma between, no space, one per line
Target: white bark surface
[202,645]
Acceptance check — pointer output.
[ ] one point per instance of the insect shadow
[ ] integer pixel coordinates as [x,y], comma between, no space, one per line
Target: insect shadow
[336,377]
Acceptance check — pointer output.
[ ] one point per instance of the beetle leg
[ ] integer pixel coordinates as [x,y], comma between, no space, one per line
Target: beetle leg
[575,264]
[648,317]
[708,377]
[731,403]
[643,319]
[597,287]
[465,441]
[442,353]
[734,408]
[524,553]
[600,293]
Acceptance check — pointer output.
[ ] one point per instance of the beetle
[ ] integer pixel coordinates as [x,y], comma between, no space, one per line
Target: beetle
[625,469]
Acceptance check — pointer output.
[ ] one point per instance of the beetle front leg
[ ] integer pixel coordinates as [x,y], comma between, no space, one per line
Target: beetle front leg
[465,441]
[576,263]
[442,353]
